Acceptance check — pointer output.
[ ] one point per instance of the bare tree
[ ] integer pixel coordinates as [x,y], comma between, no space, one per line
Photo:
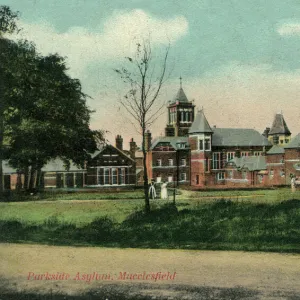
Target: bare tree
[141,100]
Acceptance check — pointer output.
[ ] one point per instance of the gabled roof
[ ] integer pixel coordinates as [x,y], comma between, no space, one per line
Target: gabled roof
[57,165]
[200,124]
[238,137]
[110,146]
[174,141]
[279,126]
[294,143]
[252,163]
[7,169]
[276,150]
[180,96]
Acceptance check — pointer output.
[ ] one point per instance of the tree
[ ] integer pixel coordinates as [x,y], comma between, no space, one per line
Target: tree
[7,25]
[48,117]
[141,101]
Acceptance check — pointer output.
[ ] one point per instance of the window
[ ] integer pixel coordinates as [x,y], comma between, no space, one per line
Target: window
[243,154]
[230,174]
[182,176]
[158,162]
[114,176]
[281,141]
[183,162]
[230,156]
[158,179]
[122,176]
[216,160]
[200,144]
[207,144]
[206,165]
[170,178]
[282,173]
[244,174]
[170,162]
[260,178]
[106,176]
[286,141]
[197,179]
[257,153]
[220,176]
[271,174]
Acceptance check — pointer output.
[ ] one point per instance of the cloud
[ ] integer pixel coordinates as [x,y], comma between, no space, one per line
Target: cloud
[116,38]
[289,29]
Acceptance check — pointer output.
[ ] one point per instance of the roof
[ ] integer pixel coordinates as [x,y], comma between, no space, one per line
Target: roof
[276,150]
[252,163]
[180,96]
[174,141]
[238,137]
[7,169]
[294,143]
[57,165]
[101,149]
[279,126]
[200,124]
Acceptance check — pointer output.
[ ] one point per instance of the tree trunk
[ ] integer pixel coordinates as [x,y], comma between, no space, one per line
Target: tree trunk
[31,179]
[26,177]
[146,184]
[1,120]
[38,178]
[19,181]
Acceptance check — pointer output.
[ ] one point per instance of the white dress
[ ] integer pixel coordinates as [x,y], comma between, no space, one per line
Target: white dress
[152,192]
[164,191]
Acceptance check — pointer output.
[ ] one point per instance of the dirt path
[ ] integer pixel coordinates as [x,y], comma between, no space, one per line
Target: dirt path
[268,275]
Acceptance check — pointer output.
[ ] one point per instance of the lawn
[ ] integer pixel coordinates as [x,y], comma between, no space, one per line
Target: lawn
[265,220]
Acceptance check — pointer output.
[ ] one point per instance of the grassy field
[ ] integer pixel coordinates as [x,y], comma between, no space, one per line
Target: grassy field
[265,220]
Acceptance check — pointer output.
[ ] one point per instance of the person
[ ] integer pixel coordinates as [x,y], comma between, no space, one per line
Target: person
[164,191]
[293,184]
[152,191]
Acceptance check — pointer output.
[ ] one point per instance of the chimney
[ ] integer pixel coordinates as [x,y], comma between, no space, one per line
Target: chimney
[132,146]
[119,142]
[266,132]
[148,138]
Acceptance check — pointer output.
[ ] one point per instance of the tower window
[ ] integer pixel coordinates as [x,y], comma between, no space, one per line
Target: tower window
[207,144]
[201,145]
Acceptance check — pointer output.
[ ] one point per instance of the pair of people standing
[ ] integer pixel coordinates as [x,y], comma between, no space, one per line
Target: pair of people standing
[164,191]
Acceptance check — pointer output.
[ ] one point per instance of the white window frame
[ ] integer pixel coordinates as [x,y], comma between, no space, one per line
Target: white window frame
[106,178]
[159,162]
[271,174]
[183,161]
[158,179]
[171,162]
[182,176]
[170,178]
[229,156]
[199,142]
[114,176]
[230,174]
[244,154]
[205,143]
[220,176]
[216,165]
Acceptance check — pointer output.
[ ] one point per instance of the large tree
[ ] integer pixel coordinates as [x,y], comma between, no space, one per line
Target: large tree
[7,25]
[44,112]
[142,99]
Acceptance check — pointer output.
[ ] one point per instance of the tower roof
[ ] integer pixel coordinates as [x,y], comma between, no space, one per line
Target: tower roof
[180,96]
[200,124]
[279,126]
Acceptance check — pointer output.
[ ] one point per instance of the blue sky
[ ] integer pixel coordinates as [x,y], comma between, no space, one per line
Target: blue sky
[239,59]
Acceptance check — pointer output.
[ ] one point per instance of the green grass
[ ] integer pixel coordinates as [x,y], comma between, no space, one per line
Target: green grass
[265,221]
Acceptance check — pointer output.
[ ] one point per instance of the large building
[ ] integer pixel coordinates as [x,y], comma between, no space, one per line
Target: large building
[196,154]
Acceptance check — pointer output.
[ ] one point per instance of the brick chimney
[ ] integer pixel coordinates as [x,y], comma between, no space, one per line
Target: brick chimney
[132,147]
[119,142]
[266,132]
[148,140]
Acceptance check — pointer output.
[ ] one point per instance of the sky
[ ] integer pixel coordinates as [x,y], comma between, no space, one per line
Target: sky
[239,59]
